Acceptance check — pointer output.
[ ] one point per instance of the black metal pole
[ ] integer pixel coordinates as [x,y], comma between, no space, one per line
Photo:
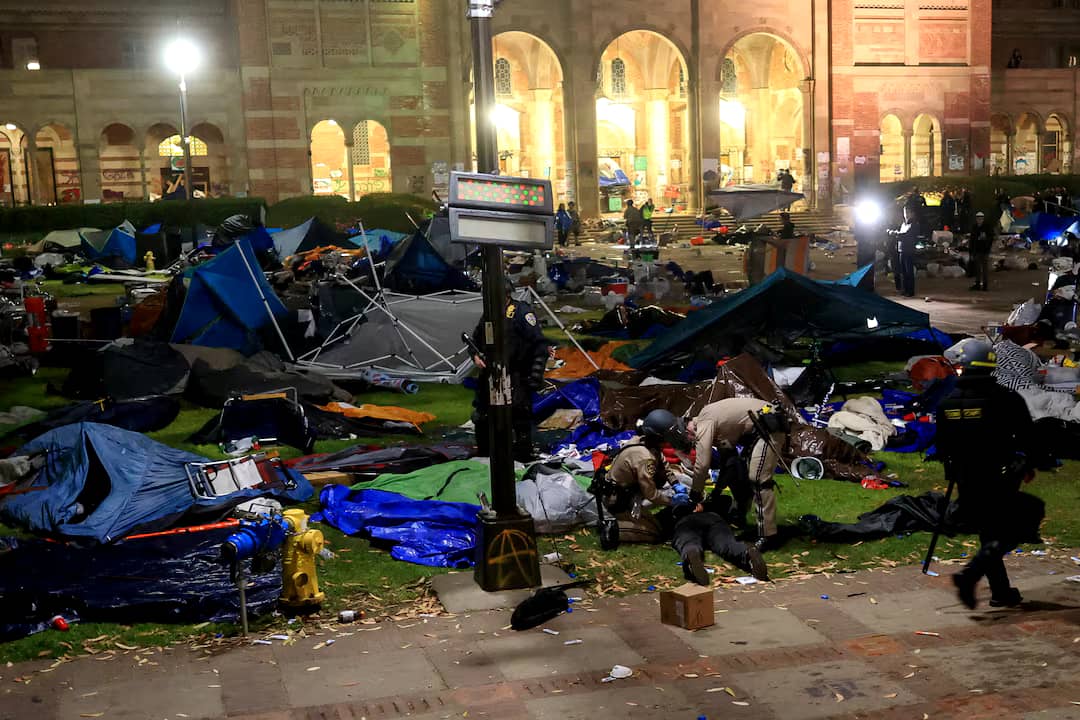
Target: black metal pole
[503,496]
[185,140]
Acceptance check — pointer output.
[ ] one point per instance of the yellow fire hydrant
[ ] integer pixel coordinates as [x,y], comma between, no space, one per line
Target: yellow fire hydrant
[299,581]
[148,258]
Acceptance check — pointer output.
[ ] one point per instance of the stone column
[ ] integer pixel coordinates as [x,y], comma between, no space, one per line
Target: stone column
[143,180]
[658,138]
[908,139]
[349,166]
[807,185]
[541,124]
[581,114]
[1010,141]
[33,187]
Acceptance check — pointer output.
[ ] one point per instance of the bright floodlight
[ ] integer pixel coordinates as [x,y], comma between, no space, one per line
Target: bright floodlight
[867,212]
[33,65]
[11,126]
[182,56]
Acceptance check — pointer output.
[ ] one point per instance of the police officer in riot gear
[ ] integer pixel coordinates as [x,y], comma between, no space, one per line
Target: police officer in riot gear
[987,441]
[528,355]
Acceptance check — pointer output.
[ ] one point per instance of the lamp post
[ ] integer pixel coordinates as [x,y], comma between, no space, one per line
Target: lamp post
[507,556]
[182,57]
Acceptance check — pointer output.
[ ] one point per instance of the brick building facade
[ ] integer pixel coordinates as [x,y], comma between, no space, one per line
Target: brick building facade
[867,89]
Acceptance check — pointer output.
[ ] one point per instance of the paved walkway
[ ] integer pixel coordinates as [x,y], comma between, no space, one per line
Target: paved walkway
[776,651]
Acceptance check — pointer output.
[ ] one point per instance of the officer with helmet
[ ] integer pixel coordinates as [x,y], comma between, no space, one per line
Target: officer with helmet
[726,424]
[988,444]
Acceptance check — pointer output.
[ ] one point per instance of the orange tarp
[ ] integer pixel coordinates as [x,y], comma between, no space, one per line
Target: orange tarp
[379,412]
[578,367]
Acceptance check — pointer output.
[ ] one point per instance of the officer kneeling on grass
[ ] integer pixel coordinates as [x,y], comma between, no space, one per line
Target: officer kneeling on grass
[987,441]
[638,476]
[528,353]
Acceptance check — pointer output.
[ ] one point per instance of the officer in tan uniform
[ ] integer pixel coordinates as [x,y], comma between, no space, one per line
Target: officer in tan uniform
[725,424]
[639,477]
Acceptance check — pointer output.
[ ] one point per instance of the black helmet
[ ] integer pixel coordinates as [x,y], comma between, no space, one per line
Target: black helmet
[663,426]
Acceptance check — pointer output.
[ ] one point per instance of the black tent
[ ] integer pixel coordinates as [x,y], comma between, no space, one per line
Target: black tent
[415,267]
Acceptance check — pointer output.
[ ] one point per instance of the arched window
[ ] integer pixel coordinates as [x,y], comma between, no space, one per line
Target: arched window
[503,84]
[729,83]
[618,77]
[361,149]
[171,147]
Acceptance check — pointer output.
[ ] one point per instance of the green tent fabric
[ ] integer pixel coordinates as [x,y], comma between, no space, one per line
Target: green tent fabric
[793,305]
[455,481]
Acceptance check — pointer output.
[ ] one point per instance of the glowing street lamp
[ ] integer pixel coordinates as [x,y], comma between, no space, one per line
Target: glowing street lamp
[183,57]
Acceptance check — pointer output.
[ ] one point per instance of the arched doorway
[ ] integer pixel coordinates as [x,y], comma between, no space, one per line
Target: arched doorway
[14,179]
[642,121]
[529,116]
[1026,145]
[370,159]
[1000,134]
[121,176]
[210,168]
[761,111]
[57,165]
[893,163]
[926,147]
[1056,146]
[329,163]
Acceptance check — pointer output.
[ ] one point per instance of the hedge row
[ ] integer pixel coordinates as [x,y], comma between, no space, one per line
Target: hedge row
[381,210]
[44,218]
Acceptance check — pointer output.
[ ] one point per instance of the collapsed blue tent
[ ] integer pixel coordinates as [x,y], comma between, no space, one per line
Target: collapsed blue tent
[102,483]
[228,301]
[788,304]
[426,532]
[416,268]
[613,177]
[118,243]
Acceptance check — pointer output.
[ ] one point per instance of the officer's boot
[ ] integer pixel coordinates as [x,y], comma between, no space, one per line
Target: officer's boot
[966,580]
[1002,594]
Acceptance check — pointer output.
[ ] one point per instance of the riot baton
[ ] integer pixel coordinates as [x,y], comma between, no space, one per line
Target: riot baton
[940,525]
[476,351]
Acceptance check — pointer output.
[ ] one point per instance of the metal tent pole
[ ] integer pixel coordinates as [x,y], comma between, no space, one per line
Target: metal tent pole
[266,303]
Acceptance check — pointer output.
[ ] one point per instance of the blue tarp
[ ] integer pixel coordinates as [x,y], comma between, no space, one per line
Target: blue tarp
[224,306]
[118,243]
[1046,227]
[582,394]
[915,436]
[425,532]
[592,435]
[786,302]
[101,483]
[613,178]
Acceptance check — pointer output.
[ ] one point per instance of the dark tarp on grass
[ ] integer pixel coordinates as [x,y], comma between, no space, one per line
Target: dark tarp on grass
[176,578]
[903,514]
[100,483]
[364,462]
[143,415]
[128,369]
[788,303]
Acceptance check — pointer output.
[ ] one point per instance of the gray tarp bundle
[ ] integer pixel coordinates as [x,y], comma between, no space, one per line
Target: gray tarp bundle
[418,337]
[749,201]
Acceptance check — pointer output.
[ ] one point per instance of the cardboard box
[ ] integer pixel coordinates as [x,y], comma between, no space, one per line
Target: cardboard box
[689,606]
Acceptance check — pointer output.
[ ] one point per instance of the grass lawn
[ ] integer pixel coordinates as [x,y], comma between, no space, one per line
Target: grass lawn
[361,577]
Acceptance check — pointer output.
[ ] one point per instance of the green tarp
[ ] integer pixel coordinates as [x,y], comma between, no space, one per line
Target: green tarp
[455,481]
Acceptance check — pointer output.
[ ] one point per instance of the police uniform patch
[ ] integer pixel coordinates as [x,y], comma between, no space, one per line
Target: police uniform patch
[530,318]
[510,310]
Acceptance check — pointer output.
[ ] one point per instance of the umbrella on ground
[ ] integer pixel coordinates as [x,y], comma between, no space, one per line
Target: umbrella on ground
[749,201]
